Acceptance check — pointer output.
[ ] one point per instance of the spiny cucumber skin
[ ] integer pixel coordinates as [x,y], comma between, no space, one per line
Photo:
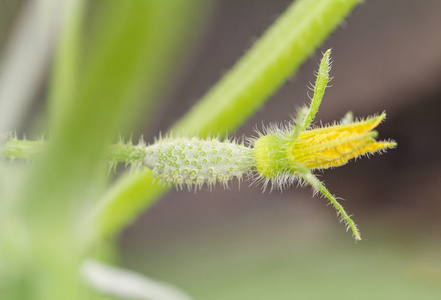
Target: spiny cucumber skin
[193,161]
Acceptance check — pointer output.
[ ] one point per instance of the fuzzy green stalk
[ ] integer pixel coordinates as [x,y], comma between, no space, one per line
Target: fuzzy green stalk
[13,148]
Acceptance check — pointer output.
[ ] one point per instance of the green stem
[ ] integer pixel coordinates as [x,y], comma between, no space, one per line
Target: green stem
[13,148]
[127,153]
[21,149]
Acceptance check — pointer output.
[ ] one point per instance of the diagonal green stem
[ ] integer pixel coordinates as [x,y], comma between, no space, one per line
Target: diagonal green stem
[266,66]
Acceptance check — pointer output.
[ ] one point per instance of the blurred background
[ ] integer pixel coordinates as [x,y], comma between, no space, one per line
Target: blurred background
[248,244]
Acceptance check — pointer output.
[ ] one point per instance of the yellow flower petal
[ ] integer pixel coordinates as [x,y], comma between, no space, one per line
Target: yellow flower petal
[335,145]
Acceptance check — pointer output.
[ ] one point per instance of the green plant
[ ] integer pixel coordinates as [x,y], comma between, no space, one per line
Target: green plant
[280,155]
[62,209]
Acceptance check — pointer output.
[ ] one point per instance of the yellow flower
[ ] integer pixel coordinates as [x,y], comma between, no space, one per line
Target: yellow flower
[289,154]
[285,155]
[333,146]
[280,155]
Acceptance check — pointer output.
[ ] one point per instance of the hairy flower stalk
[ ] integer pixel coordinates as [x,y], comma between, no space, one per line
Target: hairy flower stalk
[280,155]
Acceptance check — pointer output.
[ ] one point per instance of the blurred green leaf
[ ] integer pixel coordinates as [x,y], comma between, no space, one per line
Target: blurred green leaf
[65,73]
[134,49]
